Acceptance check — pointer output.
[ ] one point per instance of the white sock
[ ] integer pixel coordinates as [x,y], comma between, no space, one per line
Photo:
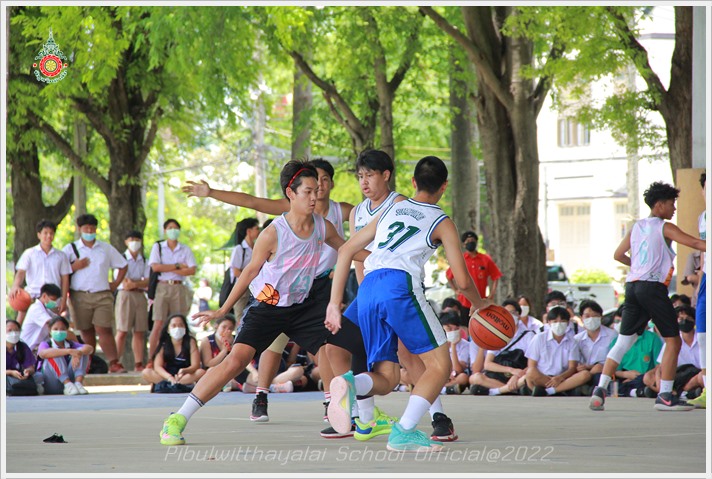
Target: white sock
[363,383]
[417,406]
[704,380]
[604,381]
[702,342]
[190,406]
[365,409]
[666,386]
[494,392]
[443,391]
[550,391]
[633,393]
[436,406]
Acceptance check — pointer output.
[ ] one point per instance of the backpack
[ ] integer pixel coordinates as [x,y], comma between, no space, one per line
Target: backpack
[153,277]
[76,253]
[227,284]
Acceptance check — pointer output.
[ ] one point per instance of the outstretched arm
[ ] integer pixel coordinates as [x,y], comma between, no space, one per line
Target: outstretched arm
[263,205]
[673,233]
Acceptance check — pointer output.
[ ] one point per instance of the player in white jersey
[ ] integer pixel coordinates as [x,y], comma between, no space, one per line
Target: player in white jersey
[280,275]
[646,293]
[392,305]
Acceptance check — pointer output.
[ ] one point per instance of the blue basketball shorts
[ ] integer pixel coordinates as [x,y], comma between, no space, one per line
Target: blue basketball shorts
[701,309]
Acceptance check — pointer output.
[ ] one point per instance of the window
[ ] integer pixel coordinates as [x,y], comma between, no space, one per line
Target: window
[572,133]
[574,233]
[621,219]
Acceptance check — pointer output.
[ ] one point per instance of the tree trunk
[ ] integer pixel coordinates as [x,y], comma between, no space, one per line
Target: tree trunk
[464,175]
[301,113]
[28,206]
[676,104]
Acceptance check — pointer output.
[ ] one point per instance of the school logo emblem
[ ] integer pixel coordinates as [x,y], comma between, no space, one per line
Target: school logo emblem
[52,65]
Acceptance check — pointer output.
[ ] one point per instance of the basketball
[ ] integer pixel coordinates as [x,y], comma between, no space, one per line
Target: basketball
[268,295]
[491,328]
[21,302]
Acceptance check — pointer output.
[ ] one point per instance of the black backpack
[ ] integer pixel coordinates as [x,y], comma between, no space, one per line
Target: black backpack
[153,277]
[227,285]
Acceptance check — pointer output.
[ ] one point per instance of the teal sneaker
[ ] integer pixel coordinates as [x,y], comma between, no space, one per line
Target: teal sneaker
[404,440]
[381,424]
[343,399]
[172,432]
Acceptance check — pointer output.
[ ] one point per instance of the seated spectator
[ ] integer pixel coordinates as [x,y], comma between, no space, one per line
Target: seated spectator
[215,347]
[292,372]
[504,370]
[171,368]
[20,378]
[526,315]
[593,344]
[64,362]
[40,313]
[557,298]
[680,300]
[453,305]
[639,359]
[552,358]
[687,376]
[459,354]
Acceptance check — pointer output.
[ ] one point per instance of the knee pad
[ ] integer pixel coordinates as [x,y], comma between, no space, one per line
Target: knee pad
[623,344]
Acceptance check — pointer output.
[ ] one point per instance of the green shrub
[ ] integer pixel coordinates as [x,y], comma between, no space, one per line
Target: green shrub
[590,276]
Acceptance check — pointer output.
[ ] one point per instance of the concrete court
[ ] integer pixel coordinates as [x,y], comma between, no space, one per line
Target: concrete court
[118,433]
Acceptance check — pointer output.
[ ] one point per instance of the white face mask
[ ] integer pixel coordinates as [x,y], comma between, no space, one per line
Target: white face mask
[177,333]
[558,328]
[134,246]
[452,336]
[525,311]
[592,324]
[13,337]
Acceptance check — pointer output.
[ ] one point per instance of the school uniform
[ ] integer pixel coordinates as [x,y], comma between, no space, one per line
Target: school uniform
[171,291]
[43,268]
[131,307]
[35,327]
[552,356]
[589,351]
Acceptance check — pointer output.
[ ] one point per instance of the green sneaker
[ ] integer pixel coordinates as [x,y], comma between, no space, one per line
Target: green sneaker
[343,398]
[404,440]
[172,432]
[700,401]
[381,424]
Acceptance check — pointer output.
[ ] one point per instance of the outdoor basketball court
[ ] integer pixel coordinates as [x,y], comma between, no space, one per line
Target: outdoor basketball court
[118,433]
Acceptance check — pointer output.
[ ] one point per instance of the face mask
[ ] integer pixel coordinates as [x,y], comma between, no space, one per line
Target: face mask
[177,333]
[558,328]
[686,326]
[59,336]
[89,236]
[51,304]
[592,324]
[452,335]
[13,337]
[173,233]
[134,246]
[472,246]
[525,311]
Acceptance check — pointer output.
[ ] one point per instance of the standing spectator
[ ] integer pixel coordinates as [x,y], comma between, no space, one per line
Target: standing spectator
[36,326]
[204,294]
[91,300]
[131,305]
[19,361]
[42,264]
[247,232]
[64,362]
[480,266]
[174,261]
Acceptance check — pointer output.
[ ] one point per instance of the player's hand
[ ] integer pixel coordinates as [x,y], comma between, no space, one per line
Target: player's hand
[199,190]
[13,292]
[333,318]
[203,317]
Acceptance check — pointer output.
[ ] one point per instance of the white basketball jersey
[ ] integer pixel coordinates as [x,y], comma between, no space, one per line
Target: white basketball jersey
[292,270]
[403,238]
[328,257]
[651,256]
[363,214]
[702,228]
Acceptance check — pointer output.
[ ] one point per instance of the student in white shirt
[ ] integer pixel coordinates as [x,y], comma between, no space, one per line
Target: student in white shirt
[36,326]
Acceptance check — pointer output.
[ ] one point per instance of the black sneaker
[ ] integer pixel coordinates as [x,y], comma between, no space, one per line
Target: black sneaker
[326,411]
[597,399]
[330,432]
[443,429]
[670,402]
[539,391]
[259,408]
[478,390]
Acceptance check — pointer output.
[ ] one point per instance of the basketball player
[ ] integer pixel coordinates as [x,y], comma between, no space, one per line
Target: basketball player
[392,305]
[646,293]
[280,276]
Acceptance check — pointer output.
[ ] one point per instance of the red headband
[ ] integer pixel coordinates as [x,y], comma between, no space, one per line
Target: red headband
[295,176]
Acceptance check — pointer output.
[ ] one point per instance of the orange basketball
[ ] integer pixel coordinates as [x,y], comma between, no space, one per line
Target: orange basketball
[492,327]
[268,295]
[21,301]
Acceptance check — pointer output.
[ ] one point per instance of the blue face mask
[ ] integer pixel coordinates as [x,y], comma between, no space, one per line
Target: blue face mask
[88,236]
[59,336]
